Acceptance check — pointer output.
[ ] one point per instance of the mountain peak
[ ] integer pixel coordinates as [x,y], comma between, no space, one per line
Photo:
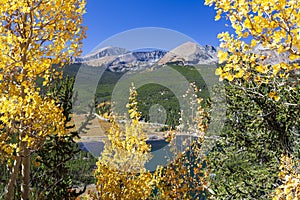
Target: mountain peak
[186,48]
[191,53]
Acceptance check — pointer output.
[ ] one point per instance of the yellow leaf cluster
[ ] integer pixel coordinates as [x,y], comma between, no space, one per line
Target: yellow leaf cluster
[290,177]
[114,184]
[273,25]
[36,37]
[35,117]
[37,34]
[121,172]
[273,95]
[132,105]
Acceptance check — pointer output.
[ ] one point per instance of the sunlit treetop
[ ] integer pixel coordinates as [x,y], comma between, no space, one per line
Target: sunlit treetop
[132,106]
[36,37]
[36,34]
[121,172]
[129,142]
[273,25]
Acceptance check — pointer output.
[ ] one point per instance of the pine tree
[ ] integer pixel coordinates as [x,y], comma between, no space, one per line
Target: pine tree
[262,91]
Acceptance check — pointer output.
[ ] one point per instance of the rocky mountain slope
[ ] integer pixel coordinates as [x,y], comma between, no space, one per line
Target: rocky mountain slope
[119,59]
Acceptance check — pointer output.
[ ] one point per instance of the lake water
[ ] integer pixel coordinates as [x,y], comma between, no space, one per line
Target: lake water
[160,149]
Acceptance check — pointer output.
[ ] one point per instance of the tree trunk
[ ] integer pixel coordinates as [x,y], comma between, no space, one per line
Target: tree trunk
[25,187]
[9,190]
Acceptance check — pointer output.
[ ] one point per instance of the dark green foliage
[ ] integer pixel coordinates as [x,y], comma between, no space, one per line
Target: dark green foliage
[193,76]
[245,161]
[53,177]
[152,94]
[81,169]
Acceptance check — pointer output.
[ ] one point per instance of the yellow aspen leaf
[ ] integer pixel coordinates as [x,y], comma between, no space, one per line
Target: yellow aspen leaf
[276,98]
[219,71]
[273,95]
[259,68]
[218,16]
[230,77]
[245,34]
[276,69]
[222,56]
[45,82]
[257,79]
[294,57]
[240,74]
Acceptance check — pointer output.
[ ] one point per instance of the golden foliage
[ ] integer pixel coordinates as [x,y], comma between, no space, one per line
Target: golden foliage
[290,177]
[121,173]
[35,35]
[272,24]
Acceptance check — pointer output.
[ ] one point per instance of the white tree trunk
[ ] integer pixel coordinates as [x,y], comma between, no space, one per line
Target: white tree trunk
[25,187]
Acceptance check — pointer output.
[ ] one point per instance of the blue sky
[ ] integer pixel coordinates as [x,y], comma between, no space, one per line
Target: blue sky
[105,18]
